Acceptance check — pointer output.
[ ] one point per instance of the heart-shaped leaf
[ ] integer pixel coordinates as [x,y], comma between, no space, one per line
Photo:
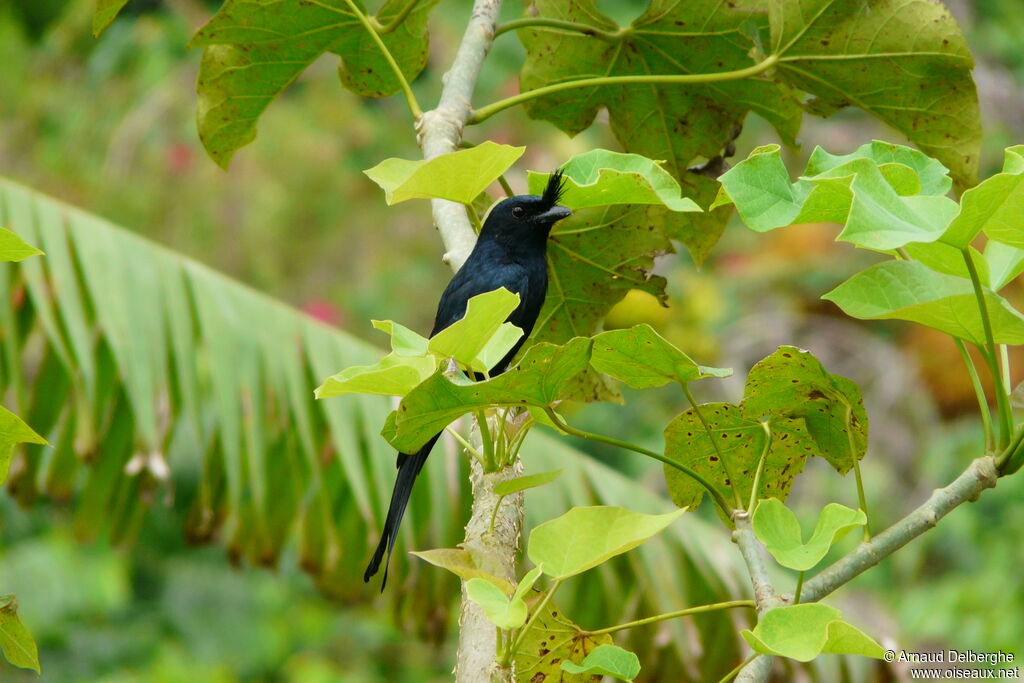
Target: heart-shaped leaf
[551,640]
[793,383]
[482,337]
[607,660]
[601,178]
[501,611]
[777,528]
[540,379]
[908,290]
[994,206]
[13,248]
[460,563]
[802,632]
[733,463]
[584,537]
[13,430]
[884,195]
[393,375]
[16,642]
[510,486]
[458,176]
[641,358]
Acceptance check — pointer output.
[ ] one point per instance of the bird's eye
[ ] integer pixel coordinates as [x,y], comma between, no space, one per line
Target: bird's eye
[518,211]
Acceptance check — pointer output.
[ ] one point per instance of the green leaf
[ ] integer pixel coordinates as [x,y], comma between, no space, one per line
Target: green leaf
[1003,263]
[13,248]
[530,481]
[607,660]
[541,378]
[460,563]
[802,632]
[458,176]
[584,537]
[885,62]
[404,342]
[641,358]
[793,383]
[777,528]
[526,583]
[500,610]
[594,258]
[994,206]
[482,337]
[944,258]
[105,13]
[908,290]
[551,640]
[254,50]
[393,375]
[13,430]
[661,121]
[602,178]
[16,642]
[740,442]
[884,195]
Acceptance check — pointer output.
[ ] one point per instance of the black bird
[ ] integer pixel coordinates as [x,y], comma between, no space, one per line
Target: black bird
[511,252]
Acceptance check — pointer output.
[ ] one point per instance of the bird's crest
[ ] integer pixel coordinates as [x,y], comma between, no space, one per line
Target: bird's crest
[554,190]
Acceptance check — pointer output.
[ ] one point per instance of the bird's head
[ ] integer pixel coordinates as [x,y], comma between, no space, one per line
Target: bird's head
[528,217]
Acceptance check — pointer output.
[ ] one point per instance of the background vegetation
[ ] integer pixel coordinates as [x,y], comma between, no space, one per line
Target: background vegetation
[108,124]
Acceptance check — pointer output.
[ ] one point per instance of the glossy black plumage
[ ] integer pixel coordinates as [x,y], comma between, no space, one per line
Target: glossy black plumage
[511,253]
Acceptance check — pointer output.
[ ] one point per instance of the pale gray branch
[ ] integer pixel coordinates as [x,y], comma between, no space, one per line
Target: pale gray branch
[440,132]
[981,474]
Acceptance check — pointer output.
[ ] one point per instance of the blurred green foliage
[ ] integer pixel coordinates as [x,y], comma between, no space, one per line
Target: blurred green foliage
[109,124]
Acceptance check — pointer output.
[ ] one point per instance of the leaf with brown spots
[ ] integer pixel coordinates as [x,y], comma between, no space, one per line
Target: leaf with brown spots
[793,383]
[904,61]
[551,639]
[729,457]
[594,258]
[677,123]
[257,48]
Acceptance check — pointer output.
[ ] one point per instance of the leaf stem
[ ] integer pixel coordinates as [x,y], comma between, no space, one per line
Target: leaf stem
[760,464]
[979,392]
[714,444]
[672,615]
[799,587]
[489,463]
[474,453]
[732,674]
[861,496]
[410,98]
[545,22]
[1002,404]
[397,20]
[510,652]
[506,187]
[561,424]
[487,111]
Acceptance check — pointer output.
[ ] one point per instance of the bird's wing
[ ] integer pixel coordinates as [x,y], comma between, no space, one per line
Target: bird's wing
[452,306]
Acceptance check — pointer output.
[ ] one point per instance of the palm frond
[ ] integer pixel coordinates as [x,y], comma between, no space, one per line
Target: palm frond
[160,381]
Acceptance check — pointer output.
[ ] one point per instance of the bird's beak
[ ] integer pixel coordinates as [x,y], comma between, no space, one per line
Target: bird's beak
[554,214]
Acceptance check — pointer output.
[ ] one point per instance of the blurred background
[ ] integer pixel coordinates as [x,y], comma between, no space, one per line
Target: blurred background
[108,125]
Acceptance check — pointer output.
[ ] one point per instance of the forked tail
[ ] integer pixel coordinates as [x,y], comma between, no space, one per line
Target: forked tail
[409,467]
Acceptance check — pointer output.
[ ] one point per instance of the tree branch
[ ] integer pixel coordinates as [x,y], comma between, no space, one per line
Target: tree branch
[981,474]
[493,549]
[765,596]
[440,130]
